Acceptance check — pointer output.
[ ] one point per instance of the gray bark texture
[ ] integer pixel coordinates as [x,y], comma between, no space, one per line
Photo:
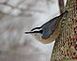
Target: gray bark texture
[65,47]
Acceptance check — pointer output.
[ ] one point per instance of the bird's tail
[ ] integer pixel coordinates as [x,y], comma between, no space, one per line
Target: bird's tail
[64,13]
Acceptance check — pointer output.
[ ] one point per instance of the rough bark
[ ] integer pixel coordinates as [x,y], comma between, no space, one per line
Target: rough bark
[65,48]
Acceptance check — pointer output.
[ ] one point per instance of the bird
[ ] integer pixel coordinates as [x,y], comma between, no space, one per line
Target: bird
[49,28]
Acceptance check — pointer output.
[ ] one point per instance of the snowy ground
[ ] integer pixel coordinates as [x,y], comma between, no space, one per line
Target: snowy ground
[20,16]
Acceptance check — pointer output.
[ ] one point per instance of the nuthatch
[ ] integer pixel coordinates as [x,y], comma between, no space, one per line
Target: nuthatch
[49,27]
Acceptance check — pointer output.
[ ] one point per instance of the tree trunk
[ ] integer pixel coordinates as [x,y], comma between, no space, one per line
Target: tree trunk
[65,48]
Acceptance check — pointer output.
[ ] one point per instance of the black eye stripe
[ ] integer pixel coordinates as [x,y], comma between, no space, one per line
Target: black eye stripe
[49,27]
